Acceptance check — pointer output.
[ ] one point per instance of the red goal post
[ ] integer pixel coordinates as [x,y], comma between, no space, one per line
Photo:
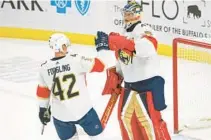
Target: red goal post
[186,53]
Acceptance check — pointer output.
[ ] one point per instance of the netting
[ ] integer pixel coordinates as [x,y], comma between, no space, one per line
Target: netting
[192,84]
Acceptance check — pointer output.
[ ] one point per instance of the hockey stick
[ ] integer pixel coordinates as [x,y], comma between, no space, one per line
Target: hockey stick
[109,109]
[48,106]
[113,99]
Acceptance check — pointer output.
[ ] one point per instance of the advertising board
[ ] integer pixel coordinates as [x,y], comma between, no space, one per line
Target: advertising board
[81,19]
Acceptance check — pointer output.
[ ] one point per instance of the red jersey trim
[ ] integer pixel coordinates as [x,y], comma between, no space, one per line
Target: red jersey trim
[43,92]
[98,66]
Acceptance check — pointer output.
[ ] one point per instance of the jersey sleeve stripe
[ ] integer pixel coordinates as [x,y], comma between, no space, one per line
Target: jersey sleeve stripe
[153,40]
[98,66]
[43,92]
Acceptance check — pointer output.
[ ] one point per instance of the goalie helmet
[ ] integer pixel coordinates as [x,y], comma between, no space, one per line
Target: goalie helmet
[131,13]
[57,40]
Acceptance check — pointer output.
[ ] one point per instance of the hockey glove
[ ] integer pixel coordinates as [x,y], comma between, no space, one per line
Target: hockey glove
[45,115]
[113,82]
[114,34]
[101,41]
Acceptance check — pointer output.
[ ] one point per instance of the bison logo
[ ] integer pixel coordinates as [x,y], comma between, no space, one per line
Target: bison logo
[194,10]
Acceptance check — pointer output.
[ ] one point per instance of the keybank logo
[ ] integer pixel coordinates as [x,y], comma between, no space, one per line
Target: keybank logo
[62,5]
[32,5]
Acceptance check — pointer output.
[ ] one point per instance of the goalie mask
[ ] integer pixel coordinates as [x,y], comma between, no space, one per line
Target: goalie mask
[57,40]
[131,13]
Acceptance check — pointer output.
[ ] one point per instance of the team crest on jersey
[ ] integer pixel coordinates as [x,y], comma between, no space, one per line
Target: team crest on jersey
[82,6]
[124,57]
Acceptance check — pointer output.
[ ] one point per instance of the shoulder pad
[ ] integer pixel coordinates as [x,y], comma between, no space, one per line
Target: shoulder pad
[147,29]
[142,30]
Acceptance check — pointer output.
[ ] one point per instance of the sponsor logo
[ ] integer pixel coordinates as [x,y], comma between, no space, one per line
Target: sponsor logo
[82,6]
[32,5]
[186,13]
[160,9]
[62,5]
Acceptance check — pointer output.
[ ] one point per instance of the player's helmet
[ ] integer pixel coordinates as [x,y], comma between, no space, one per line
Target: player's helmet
[131,13]
[57,40]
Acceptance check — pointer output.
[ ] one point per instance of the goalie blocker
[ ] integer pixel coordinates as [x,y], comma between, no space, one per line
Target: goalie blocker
[113,82]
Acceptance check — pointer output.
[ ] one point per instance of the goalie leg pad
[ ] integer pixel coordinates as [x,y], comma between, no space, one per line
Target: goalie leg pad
[143,118]
[133,118]
[138,130]
[160,127]
[122,127]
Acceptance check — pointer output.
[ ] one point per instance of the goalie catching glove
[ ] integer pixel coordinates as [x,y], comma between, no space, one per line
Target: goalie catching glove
[113,82]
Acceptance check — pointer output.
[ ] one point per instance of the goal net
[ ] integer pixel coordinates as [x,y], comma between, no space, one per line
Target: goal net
[191,84]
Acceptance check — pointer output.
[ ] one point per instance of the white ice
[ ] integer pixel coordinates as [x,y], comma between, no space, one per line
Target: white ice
[19,62]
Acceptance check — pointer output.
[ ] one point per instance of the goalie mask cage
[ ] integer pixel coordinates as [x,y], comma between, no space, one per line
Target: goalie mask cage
[191,84]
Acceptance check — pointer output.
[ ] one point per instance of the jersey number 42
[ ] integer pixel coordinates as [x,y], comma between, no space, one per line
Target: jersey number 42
[64,93]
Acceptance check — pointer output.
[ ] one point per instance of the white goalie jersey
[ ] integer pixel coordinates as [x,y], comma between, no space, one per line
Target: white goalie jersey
[144,63]
[67,88]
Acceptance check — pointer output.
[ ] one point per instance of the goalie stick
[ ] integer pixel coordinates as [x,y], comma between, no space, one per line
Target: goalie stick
[109,109]
[48,106]
[113,99]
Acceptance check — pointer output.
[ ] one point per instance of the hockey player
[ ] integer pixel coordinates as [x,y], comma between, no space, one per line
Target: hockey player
[63,77]
[142,98]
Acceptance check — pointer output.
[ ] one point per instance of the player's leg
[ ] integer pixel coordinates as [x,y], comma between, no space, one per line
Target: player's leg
[121,104]
[160,126]
[126,116]
[65,130]
[92,125]
[143,119]
[154,102]
[136,129]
